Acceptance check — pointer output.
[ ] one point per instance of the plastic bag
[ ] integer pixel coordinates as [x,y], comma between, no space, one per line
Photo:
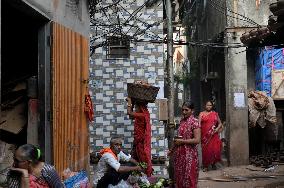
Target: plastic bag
[121,184]
[80,180]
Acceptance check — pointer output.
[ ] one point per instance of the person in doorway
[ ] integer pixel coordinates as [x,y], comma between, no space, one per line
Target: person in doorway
[210,140]
[184,152]
[109,170]
[30,172]
[141,150]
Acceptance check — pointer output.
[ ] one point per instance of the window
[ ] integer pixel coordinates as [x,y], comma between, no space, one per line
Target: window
[118,47]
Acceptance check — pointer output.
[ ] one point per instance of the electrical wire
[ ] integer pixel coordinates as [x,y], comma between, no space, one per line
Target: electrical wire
[222,12]
[229,10]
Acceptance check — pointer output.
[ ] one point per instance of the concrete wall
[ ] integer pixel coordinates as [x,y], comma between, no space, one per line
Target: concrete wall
[239,74]
[109,78]
[236,100]
[65,12]
[258,13]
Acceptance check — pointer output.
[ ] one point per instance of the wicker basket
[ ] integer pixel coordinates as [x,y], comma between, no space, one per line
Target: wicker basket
[142,93]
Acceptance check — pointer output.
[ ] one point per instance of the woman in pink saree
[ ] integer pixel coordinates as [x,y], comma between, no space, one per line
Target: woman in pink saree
[210,140]
[185,149]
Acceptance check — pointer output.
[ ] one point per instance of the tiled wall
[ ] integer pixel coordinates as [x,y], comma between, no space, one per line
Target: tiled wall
[109,78]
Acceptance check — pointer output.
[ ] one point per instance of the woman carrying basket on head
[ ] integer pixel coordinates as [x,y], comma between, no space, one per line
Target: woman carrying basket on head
[141,150]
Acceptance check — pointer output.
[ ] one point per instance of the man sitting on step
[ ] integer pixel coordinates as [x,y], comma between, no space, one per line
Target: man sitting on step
[109,170]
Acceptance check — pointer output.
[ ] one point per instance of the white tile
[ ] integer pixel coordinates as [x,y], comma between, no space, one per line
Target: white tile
[109,128]
[130,127]
[99,143]
[120,119]
[150,45]
[153,139]
[120,130]
[106,76]
[119,84]
[130,80]
[99,108]
[126,63]
[161,131]
[152,116]
[161,153]
[161,143]
[130,69]
[109,69]
[140,72]
[99,119]
[127,134]
[119,72]
[109,116]
[98,61]
[151,81]
[106,134]
[140,48]
[161,72]
[106,111]
[106,64]
[99,50]
[153,151]
[105,88]
[99,131]
[120,96]
[147,51]
[152,58]
[98,72]
[109,105]
[127,75]
[106,123]
[151,69]
[130,139]
[127,122]
[140,61]
[120,108]
[160,49]
[106,99]
[160,60]
[109,93]
[109,81]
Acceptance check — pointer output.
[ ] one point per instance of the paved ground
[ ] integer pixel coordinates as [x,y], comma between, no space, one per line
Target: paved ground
[276,182]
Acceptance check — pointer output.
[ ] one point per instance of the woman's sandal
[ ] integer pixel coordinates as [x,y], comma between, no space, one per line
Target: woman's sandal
[205,169]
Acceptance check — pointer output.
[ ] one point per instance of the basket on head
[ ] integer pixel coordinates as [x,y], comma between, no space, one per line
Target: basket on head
[142,92]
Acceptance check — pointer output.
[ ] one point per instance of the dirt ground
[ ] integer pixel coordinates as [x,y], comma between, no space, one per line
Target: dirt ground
[275,181]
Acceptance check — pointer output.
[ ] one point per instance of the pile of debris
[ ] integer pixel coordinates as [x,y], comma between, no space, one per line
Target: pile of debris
[265,161]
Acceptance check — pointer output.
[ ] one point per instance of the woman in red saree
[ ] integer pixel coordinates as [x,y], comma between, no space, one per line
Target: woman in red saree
[185,149]
[210,140]
[141,150]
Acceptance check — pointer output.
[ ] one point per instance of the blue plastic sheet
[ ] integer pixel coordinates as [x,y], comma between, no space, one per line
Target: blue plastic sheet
[80,180]
[269,59]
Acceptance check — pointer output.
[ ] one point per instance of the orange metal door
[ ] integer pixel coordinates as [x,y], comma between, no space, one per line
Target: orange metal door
[69,62]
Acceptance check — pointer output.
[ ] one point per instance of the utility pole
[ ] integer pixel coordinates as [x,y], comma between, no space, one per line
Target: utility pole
[170,80]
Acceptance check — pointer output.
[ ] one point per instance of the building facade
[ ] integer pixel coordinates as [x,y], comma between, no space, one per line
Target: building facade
[124,50]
